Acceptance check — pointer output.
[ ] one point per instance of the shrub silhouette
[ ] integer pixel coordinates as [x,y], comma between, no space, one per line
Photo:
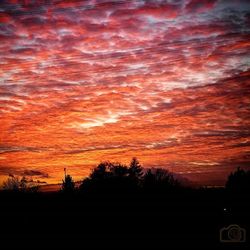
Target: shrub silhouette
[239,180]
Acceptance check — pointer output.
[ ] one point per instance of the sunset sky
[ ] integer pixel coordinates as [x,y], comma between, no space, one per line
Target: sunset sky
[87,81]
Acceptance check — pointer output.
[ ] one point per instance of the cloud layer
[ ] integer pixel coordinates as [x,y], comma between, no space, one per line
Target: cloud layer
[85,81]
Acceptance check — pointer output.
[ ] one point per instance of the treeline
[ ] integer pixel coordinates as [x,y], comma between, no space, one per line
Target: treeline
[109,177]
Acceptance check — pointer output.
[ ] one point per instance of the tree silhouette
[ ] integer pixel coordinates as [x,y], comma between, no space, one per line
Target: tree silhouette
[135,170]
[108,177]
[23,183]
[149,180]
[159,180]
[97,178]
[101,171]
[116,177]
[238,180]
[12,183]
[68,185]
[118,170]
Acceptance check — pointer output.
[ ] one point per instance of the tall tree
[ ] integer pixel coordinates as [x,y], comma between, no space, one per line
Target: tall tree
[135,169]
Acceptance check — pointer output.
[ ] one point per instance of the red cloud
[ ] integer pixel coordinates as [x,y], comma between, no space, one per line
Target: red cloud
[200,6]
[4,18]
[163,82]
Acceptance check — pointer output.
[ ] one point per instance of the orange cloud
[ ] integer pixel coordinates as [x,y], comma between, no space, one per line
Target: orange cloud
[84,82]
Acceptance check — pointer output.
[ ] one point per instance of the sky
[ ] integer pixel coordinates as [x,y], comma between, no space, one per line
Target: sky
[88,81]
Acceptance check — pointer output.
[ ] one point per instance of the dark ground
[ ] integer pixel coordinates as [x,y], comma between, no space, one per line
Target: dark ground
[188,219]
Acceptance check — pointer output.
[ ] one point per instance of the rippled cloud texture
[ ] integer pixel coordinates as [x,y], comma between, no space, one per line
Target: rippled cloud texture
[86,81]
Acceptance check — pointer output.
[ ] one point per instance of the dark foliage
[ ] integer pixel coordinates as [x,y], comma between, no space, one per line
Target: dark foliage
[159,180]
[110,177]
[170,216]
[68,185]
[135,170]
[239,180]
[15,184]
